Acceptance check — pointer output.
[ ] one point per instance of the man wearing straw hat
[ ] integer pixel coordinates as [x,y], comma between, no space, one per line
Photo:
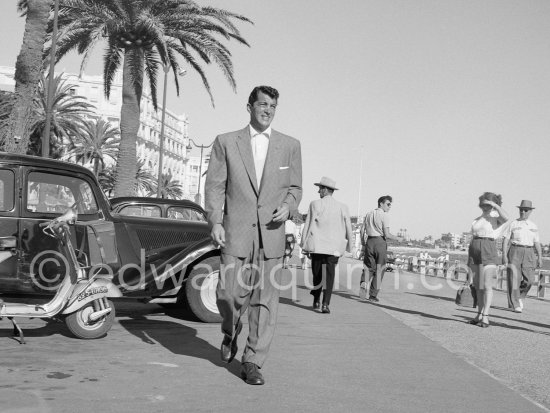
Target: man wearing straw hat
[521,239]
[327,235]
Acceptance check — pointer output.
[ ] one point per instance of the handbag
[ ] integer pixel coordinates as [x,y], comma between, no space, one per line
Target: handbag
[466,296]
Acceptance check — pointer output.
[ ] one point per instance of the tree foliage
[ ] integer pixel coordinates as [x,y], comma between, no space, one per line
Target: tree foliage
[99,140]
[141,37]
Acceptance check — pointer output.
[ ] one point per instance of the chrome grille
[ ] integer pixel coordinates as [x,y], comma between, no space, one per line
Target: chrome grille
[154,239]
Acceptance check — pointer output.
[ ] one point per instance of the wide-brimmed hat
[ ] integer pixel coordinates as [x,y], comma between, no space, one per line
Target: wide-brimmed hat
[525,204]
[327,182]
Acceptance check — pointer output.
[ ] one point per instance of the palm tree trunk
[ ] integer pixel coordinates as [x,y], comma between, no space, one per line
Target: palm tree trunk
[96,165]
[126,166]
[28,69]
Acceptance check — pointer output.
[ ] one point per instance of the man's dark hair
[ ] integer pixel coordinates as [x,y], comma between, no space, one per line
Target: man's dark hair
[384,198]
[268,90]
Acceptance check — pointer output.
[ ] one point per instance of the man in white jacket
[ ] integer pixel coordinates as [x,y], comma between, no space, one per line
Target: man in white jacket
[327,235]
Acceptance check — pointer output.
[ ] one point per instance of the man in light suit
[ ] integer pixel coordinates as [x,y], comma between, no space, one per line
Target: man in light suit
[327,235]
[253,185]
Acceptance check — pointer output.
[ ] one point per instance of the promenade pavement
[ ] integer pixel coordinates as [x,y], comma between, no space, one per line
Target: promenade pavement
[389,357]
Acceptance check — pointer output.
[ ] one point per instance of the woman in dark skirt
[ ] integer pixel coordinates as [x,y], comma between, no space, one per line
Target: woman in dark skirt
[482,254]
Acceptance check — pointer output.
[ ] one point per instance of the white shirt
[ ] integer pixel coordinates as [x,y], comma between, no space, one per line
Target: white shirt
[522,232]
[260,144]
[484,226]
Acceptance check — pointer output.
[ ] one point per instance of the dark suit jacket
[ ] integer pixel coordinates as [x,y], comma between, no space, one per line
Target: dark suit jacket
[232,196]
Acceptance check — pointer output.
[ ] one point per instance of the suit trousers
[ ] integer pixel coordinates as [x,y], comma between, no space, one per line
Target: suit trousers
[252,283]
[375,260]
[323,267]
[520,273]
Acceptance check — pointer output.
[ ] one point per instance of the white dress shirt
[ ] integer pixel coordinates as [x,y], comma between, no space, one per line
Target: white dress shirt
[260,144]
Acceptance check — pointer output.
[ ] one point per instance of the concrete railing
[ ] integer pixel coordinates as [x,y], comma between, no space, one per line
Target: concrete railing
[458,271]
[542,281]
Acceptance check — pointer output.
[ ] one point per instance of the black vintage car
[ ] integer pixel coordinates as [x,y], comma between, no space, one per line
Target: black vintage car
[159,260]
[183,209]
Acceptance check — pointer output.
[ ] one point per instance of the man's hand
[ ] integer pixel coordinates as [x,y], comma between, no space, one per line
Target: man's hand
[539,262]
[281,214]
[218,235]
[504,259]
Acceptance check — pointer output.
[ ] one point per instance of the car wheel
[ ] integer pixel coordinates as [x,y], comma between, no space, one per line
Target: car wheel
[81,326]
[200,290]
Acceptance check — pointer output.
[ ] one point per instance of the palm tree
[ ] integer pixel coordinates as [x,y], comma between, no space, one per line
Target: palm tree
[142,36]
[28,69]
[169,188]
[67,121]
[99,140]
[106,180]
[145,182]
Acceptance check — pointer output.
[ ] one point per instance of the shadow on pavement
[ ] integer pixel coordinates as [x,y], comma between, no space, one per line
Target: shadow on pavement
[338,292]
[177,338]
[435,297]
[402,310]
[514,327]
[51,328]
[288,301]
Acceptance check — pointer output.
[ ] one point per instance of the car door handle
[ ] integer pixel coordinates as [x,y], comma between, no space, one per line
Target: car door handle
[7,243]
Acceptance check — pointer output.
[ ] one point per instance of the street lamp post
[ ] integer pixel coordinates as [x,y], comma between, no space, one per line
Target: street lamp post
[202,148]
[49,99]
[161,138]
[166,69]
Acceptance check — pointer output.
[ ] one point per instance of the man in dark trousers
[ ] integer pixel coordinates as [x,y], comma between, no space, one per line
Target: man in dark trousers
[327,235]
[374,236]
[253,185]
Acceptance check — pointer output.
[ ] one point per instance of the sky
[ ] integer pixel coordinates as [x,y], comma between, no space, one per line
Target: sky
[431,102]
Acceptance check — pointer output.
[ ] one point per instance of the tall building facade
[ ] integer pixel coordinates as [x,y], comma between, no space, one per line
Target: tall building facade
[176,138]
[196,175]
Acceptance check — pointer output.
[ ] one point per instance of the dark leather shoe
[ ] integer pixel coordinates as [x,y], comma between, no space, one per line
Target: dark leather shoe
[325,309]
[228,349]
[250,373]
[316,304]
[374,299]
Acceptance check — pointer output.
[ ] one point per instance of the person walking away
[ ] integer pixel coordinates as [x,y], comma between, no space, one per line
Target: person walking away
[482,254]
[253,185]
[290,241]
[521,240]
[376,233]
[303,255]
[327,235]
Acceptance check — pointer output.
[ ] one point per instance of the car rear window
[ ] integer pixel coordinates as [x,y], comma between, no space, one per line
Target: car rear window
[56,193]
[141,211]
[7,185]
[185,214]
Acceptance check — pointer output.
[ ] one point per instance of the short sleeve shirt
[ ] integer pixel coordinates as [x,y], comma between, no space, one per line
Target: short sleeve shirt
[484,226]
[375,221]
[522,232]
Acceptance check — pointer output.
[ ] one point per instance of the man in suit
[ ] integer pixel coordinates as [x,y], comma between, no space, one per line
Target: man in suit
[327,235]
[253,185]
